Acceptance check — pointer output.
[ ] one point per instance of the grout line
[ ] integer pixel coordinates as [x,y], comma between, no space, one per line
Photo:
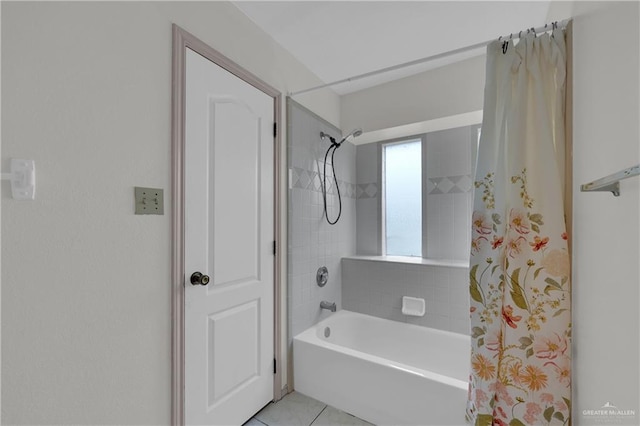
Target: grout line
[316,418]
[256,419]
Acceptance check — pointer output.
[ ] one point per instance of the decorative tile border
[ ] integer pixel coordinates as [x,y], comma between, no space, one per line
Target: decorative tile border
[306,179]
[437,185]
[367,190]
[450,184]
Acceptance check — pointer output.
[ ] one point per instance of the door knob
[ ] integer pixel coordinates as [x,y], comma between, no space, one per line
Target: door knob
[198,278]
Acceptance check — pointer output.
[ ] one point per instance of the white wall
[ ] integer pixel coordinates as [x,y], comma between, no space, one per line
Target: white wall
[85,283]
[86,93]
[442,92]
[606,236]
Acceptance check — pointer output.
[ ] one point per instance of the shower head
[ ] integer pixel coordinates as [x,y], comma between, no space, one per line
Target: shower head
[355,133]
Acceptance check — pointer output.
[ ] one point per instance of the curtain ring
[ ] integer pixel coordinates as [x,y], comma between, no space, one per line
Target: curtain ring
[520,34]
[505,47]
[510,36]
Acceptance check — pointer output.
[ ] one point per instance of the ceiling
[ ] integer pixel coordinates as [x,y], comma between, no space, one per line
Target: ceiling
[341,39]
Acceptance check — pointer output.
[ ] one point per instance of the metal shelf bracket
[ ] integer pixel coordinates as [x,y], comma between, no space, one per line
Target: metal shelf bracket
[611,183]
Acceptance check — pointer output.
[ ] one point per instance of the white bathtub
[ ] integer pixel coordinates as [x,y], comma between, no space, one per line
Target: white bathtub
[385,372]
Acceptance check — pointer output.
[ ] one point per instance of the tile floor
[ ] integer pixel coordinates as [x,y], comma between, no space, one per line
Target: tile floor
[296,409]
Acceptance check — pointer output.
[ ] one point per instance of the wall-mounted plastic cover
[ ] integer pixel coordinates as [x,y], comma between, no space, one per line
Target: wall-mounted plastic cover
[23,179]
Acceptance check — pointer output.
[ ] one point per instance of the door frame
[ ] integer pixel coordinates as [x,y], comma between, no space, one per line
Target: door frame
[181,41]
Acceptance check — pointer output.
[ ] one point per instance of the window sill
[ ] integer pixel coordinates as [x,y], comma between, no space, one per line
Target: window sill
[452,263]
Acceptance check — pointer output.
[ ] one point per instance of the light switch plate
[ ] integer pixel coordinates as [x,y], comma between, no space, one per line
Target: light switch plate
[149,200]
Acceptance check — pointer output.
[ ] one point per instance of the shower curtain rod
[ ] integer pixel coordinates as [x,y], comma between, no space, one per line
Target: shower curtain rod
[512,36]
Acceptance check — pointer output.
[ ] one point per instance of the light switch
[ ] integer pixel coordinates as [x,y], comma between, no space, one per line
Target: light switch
[149,200]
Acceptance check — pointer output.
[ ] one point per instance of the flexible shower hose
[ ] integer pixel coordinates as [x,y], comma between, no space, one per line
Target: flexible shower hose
[333,146]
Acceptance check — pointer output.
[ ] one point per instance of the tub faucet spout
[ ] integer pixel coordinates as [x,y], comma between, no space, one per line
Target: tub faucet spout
[328,305]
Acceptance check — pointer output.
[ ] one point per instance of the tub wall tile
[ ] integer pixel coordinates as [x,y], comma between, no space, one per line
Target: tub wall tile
[312,241]
[450,158]
[376,288]
[460,325]
[440,322]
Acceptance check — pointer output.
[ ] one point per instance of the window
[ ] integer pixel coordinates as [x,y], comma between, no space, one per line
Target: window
[402,183]
[426,198]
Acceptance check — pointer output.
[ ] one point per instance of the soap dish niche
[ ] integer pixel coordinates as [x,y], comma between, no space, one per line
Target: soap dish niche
[413,306]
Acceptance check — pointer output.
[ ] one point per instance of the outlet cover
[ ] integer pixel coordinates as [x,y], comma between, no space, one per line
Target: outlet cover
[149,200]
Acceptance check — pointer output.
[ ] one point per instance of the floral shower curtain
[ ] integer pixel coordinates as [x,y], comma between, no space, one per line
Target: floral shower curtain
[520,265]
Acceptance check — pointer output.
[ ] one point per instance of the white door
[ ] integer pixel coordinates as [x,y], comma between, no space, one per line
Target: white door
[229,234]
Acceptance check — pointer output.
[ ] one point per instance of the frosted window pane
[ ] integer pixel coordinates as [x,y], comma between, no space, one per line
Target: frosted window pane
[403,198]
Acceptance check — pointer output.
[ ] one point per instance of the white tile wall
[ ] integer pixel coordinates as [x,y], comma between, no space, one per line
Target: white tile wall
[376,288]
[450,155]
[368,208]
[372,287]
[312,241]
